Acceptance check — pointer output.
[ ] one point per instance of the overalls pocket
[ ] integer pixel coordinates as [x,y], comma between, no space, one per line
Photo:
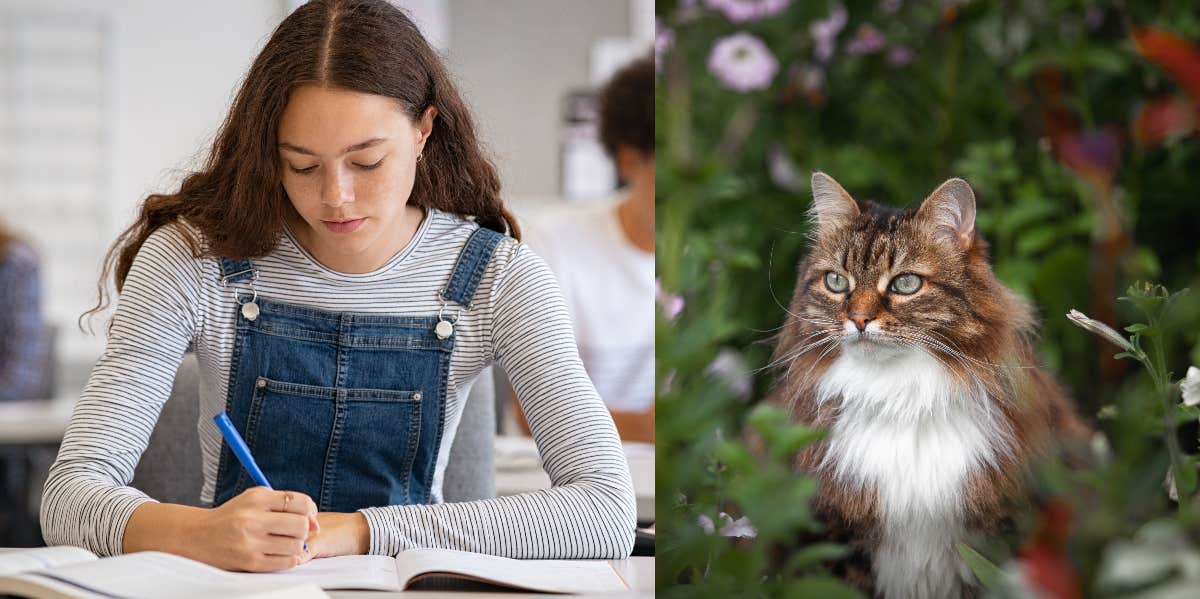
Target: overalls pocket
[299,432]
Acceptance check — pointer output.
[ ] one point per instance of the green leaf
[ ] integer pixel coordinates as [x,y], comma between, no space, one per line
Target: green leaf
[815,554]
[781,435]
[1186,479]
[826,588]
[1185,414]
[1037,240]
[1137,328]
[989,574]
[1103,59]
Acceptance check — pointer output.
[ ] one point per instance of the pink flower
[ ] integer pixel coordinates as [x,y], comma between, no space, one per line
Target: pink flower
[1093,154]
[729,368]
[664,39]
[729,527]
[899,56]
[671,304]
[867,40]
[782,170]
[743,62]
[825,32]
[741,11]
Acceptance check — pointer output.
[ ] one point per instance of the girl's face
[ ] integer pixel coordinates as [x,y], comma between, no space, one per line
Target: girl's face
[348,160]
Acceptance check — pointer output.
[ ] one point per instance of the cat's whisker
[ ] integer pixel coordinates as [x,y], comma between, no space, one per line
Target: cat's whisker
[794,353]
[963,377]
[771,284]
[946,345]
[947,341]
[988,382]
[960,357]
[830,341]
[821,356]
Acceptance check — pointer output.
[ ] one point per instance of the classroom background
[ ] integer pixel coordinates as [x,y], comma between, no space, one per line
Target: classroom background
[104,103]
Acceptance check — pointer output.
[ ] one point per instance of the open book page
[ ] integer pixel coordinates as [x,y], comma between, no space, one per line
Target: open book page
[40,558]
[359,572]
[552,576]
[150,574]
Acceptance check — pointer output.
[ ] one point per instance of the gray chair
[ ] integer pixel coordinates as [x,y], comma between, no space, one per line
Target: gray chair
[169,470]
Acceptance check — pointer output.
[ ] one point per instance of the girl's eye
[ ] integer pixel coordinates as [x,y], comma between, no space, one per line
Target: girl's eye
[836,283]
[367,167]
[303,171]
[906,284]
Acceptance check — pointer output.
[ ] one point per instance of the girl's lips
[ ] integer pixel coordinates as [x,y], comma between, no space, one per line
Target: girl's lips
[347,226]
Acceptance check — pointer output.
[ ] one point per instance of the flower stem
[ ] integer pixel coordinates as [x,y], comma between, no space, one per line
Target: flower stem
[1162,387]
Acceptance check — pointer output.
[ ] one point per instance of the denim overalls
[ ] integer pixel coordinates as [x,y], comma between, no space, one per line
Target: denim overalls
[347,408]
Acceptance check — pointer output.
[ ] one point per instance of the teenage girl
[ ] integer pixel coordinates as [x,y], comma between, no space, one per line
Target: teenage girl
[343,268]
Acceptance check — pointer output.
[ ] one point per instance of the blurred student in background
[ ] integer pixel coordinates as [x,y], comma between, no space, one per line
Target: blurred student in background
[603,256]
[24,371]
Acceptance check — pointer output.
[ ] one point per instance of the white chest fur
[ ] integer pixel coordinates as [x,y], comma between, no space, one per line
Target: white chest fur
[914,434]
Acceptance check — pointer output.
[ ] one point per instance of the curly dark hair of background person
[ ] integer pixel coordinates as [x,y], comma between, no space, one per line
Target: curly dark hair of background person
[627,108]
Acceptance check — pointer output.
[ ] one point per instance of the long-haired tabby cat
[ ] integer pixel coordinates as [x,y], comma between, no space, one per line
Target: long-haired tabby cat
[903,344]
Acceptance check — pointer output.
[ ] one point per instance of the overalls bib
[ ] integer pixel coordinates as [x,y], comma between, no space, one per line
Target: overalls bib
[347,408]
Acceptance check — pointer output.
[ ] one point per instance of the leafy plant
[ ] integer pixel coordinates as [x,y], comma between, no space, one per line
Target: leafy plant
[1075,123]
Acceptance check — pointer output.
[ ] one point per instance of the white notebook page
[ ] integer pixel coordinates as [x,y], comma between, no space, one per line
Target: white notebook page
[560,576]
[39,558]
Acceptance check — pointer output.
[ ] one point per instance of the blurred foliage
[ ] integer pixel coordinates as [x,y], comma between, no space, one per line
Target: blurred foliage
[1051,110]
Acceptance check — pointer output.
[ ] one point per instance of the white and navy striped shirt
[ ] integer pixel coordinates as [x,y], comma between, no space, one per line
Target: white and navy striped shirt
[172,300]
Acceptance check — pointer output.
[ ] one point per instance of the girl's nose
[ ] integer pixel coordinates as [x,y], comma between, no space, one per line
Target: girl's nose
[337,188]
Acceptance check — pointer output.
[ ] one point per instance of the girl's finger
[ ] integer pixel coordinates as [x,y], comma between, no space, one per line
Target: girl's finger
[287,525]
[292,502]
[275,545]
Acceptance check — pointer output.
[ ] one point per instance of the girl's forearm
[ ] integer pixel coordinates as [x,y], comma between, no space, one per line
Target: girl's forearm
[163,527]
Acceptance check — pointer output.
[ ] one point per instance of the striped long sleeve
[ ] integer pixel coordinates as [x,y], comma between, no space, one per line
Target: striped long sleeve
[86,501]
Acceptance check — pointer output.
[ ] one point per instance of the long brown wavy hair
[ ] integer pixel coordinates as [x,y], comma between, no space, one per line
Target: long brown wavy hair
[237,200]
[7,238]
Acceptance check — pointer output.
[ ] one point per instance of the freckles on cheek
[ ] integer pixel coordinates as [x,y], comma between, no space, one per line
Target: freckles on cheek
[300,194]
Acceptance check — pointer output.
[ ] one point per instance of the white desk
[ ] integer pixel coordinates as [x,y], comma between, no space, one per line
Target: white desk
[30,422]
[638,572]
[519,470]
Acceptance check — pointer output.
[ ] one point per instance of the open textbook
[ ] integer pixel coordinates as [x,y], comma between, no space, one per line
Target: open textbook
[75,573]
[446,568]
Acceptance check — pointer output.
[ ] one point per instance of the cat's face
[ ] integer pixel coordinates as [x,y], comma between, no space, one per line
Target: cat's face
[882,281]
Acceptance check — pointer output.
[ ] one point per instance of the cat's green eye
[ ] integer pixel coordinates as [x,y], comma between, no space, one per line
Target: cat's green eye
[836,283]
[906,284]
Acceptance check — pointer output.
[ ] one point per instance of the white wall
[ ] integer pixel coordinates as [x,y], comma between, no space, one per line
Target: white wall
[515,61]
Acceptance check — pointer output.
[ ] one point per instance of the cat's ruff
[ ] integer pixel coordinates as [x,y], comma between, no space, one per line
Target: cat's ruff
[910,431]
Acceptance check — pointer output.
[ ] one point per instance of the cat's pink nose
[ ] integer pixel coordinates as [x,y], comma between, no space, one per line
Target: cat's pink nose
[860,320]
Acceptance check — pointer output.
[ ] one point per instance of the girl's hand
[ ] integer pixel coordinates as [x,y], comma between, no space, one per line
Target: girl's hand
[339,534]
[260,530]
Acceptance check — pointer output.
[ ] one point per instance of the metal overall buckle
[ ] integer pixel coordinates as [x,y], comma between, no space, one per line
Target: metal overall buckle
[445,327]
[250,309]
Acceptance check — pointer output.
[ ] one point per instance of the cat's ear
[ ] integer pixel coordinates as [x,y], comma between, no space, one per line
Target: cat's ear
[950,212]
[831,206]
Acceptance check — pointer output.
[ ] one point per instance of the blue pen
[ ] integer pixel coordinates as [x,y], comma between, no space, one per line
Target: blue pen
[242,451]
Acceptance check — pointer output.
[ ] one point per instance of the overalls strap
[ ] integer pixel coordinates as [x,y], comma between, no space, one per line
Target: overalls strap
[472,261]
[234,271]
